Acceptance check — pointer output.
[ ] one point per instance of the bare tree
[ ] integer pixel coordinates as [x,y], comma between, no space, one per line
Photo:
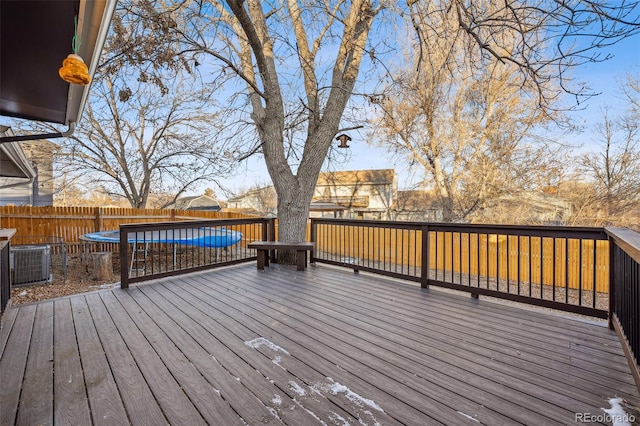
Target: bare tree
[299,62]
[136,141]
[543,39]
[614,171]
[468,122]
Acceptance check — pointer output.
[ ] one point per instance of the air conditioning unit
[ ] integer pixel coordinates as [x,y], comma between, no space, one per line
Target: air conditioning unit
[30,264]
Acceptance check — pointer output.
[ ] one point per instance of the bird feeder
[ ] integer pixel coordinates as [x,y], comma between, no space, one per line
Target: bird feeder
[74,70]
[344,139]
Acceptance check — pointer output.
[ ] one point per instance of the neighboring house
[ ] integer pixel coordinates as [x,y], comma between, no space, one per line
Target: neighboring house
[361,194]
[329,210]
[26,172]
[417,206]
[367,194]
[197,202]
[530,208]
[260,201]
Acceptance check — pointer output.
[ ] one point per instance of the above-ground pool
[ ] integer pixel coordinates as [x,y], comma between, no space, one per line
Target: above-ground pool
[201,237]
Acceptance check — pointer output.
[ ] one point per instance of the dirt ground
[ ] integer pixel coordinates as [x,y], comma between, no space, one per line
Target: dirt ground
[78,280]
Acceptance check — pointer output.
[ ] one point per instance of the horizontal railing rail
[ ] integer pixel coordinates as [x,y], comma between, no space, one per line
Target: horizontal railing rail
[562,268]
[625,293]
[154,250]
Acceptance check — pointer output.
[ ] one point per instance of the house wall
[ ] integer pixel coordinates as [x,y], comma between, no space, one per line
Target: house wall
[19,195]
[40,153]
[364,200]
[40,192]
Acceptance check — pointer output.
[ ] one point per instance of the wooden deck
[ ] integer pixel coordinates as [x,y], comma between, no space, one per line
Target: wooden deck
[325,346]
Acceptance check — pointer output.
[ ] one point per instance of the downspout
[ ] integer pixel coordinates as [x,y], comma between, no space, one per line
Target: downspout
[67,133]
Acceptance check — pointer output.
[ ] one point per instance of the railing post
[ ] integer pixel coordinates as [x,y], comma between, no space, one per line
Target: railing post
[424,271]
[124,258]
[313,238]
[5,270]
[272,237]
[612,281]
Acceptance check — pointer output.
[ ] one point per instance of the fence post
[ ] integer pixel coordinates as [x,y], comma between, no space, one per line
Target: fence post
[612,281]
[424,271]
[99,219]
[124,258]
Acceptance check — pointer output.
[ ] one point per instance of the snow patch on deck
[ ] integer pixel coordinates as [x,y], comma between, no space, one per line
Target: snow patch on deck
[468,416]
[617,415]
[297,388]
[338,419]
[336,388]
[261,341]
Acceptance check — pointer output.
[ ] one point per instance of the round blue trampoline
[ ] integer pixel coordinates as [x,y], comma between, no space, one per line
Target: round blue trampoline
[200,237]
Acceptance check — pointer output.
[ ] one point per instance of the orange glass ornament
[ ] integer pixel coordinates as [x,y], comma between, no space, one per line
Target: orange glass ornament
[74,70]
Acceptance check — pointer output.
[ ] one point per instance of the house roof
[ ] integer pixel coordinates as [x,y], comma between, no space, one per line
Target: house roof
[35,37]
[357,177]
[414,200]
[252,193]
[15,168]
[196,202]
[319,206]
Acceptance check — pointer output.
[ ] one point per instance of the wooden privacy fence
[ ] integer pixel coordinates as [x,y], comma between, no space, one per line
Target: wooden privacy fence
[70,223]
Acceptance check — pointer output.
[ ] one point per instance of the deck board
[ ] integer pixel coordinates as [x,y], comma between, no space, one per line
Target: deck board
[137,398]
[444,382]
[476,336]
[104,400]
[323,346]
[13,363]
[71,406]
[234,356]
[36,406]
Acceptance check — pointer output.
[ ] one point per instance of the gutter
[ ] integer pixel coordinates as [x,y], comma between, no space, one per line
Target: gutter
[65,134]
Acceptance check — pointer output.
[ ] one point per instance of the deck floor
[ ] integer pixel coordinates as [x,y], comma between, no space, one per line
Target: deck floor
[238,346]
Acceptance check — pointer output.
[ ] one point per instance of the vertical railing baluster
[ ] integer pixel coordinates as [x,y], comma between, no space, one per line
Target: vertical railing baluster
[508,264]
[541,267]
[530,266]
[566,270]
[519,252]
[488,260]
[436,254]
[424,272]
[469,258]
[553,271]
[124,259]
[580,283]
[595,273]
[478,260]
[497,261]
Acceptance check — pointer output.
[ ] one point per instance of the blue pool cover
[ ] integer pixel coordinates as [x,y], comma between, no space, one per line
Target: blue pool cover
[201,237]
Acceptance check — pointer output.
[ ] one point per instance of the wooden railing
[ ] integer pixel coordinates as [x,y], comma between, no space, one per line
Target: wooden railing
[557,267]
[625,293]
[153,250]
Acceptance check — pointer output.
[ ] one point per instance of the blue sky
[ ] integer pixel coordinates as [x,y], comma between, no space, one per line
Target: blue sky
[603,77]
